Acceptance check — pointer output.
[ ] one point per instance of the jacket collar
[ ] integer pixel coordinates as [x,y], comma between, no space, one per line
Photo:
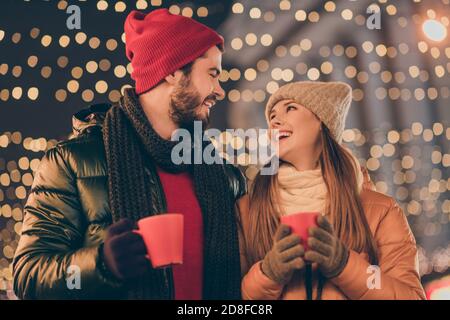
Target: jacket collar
[91,116]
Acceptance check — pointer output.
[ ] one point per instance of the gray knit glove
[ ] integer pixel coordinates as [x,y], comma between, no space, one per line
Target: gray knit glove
[326,249]
[285,256]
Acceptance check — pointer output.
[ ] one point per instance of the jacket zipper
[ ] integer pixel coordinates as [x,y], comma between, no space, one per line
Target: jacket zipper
[170,285]
[168,272]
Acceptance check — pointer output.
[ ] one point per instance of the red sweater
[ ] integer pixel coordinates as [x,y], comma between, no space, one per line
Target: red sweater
[180,197]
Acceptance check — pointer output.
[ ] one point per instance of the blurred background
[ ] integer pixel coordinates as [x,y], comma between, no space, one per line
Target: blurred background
[395,55]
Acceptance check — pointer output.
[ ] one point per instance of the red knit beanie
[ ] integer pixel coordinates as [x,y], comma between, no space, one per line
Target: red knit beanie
[159,43]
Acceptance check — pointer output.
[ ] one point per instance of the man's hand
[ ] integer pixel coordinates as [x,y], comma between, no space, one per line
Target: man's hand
[124,251]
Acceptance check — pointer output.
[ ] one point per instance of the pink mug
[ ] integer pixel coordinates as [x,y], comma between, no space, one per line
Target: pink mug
[300,222]
[163,238]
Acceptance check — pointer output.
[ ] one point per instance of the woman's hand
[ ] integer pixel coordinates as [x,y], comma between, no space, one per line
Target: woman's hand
[285,256]
[326,249]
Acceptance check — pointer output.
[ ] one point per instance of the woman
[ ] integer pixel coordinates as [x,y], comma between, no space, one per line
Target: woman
[362,248]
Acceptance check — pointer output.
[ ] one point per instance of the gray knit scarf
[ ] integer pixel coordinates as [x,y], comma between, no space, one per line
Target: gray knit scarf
[131,142]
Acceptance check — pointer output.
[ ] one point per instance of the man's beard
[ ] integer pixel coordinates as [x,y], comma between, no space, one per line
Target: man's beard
[185,103]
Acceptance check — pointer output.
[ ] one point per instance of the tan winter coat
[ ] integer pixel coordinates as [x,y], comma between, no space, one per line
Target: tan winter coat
[397,255]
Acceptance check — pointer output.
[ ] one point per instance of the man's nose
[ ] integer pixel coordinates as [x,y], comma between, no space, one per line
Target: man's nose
[218,91]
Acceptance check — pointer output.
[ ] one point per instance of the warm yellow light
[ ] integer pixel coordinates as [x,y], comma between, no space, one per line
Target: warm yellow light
[251,39]
[224,76]
[434,30]
[295,50]
[141,5]
[313,74]
[300,15]
[33,93]
[259,95]
[234,95]
[120,71]
[262,65]
[102,5]
[87,95]
[271,87]
[250,74]
[277,74]
[77,72]
[255,13]
[202,12]
[266,40]
[269,16]
[238,8]
[73,86]
[120,6]
[306,44]
[114,95]
[326,67]
[187,12]
[235,74]
[101,86]
[111,44]
[280,51]
[287,75]
[80,37]
[347,14]
[174,9]
[285,5]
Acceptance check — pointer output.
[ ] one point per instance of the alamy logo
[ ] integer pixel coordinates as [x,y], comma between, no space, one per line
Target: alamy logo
[73,279]
[374,280]
[374,19]
[74,20]
[263,152]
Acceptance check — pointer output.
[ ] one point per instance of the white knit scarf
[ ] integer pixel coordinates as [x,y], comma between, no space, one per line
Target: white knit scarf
[305,191]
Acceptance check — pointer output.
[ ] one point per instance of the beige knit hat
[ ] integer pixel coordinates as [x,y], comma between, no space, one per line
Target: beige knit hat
[329,101]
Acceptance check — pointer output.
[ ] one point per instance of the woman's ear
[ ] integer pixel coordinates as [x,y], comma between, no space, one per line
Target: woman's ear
[321,126]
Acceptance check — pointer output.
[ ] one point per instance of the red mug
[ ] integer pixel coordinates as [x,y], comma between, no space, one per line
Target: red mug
[300,222]
[163,238]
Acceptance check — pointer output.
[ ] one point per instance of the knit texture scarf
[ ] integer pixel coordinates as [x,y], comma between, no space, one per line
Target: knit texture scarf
[130,142]
[306,190]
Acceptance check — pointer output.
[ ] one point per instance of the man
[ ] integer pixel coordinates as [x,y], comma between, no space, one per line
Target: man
[90,190]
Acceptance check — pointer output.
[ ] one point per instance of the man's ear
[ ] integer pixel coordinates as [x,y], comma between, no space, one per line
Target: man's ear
[174,77]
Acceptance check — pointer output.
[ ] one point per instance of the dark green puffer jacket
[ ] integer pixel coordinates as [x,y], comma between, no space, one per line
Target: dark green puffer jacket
[67,213]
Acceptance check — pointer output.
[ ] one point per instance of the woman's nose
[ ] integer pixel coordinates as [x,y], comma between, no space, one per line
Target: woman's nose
[277,121]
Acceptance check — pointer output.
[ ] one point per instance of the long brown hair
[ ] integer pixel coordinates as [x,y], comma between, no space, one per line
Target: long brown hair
[344,204]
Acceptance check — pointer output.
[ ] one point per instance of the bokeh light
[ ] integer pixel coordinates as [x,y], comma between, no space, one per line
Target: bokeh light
[434,30]
[398,127]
